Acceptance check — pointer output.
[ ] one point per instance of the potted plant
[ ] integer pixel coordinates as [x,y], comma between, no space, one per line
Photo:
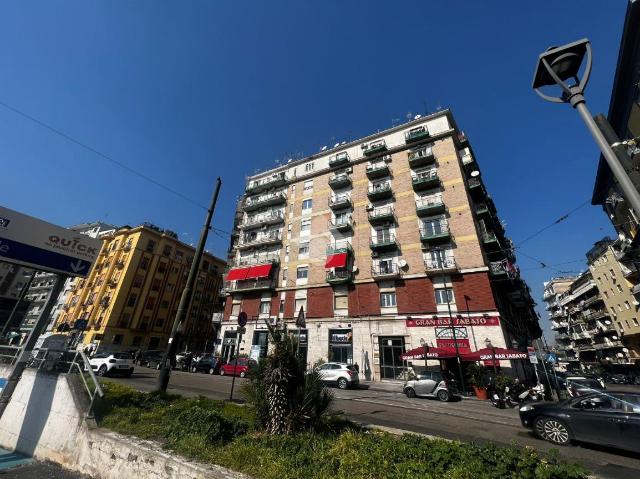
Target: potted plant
[475,374]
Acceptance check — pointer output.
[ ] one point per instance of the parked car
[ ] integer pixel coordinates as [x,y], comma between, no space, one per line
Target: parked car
[208,364]
[611,419]
[342,375]
[237,367]
[431,384]
[112,363]
[153,355]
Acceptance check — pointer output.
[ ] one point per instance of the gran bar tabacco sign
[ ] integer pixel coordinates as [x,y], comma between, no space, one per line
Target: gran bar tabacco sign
[463,321]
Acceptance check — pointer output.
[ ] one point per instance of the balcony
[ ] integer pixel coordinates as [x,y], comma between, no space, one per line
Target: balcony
[421,157]
[589,316]
[383,242]
[425,180]
[339,247]
[476,188]
[340,180]
[490,240]
[429,206]
[378,170]
[555,325]
[440,265]
[273,181]
[385,270]
[274,217]
[342,225]
[341,159]
[379,191]
[258,259]
[384,214]
[608,344]
[250,285]
[375,147]
[256,202]
[339,202]
[339,276]
[416,134]
[435,232]
[271,238]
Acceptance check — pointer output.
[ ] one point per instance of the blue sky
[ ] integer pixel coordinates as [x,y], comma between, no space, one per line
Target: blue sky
[187,91]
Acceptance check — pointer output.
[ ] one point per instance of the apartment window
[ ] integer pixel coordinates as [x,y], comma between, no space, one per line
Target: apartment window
[300,303]
[265,307]
[305,226]
[303,249]
[307,204]
[308,185]
[627,305]
[606,294]
[132,300]
[281,309]
[150,246]
[151,302]
[155,286]
[444,295]
[144,264]
[619,307]
[302,272]
[619,288]
[606,278]
[620,327]
[284,274]
[164,304]
[166,251]
[627,323]
[387,300]
[290,212]
[168,288]
[635,322]
[287,250]
[341,301]
[613,274]
[309,167]
[117,339]
[235,309]
[162,267]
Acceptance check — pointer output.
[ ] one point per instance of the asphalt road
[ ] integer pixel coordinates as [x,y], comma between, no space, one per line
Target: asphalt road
[467,420]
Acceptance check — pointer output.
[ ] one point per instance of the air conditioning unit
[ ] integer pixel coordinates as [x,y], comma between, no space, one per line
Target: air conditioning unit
[369,207]
[386,158]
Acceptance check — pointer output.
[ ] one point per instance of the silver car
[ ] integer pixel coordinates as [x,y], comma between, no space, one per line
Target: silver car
[429,384]
[340,374]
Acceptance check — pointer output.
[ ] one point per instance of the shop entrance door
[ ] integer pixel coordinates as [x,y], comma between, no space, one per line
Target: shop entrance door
[391,366]
[229,345]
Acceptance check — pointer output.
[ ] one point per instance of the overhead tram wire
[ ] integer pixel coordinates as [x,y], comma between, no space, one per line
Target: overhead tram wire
[556,222]
[100,154]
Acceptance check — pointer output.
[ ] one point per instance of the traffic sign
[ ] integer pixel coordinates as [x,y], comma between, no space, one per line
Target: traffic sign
[533,358]
[242,319]
[43,246]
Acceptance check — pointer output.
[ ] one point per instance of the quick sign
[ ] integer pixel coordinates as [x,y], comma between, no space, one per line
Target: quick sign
[43,246]
[459,321]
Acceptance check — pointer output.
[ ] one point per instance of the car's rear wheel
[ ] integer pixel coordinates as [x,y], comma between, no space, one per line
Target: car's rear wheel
[102,370]
[342,383]
[554,431]
[443,395]
[410,393]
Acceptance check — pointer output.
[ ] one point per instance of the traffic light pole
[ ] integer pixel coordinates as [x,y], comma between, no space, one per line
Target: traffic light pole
[185,299]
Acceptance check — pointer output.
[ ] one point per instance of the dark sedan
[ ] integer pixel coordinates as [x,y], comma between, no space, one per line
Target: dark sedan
[207,364]
[606,419]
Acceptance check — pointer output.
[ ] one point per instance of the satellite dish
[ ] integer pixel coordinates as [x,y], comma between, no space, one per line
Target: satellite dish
[626,350]
[402,263]
[324,148]
[289,160]
[417,116]
[354,269]
[614,337]
[475,173]
[343,143]
[336,145]
[607,322]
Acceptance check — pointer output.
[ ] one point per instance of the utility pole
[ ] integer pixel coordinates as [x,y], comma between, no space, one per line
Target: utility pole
[185,299]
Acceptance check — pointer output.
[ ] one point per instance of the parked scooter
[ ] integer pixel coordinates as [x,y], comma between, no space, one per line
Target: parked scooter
[495,398]
[515,395]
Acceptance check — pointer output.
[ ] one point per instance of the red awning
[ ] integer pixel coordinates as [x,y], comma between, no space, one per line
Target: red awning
[486,354]
[336,261]
[432,353]
[237,274]
[261,271]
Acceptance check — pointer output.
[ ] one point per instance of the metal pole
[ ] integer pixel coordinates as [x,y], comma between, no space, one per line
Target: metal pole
[185,299]
[631,193]
[25,354]
[493,354]
[453,328]
[23,293]
[235,365]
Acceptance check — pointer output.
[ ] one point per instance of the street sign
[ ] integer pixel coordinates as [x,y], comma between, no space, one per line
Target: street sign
[242,319]
[533,359]
[300,321]
[43,246]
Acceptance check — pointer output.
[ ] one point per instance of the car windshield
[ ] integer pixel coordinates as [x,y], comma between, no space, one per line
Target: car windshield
[101,355]
[122,356]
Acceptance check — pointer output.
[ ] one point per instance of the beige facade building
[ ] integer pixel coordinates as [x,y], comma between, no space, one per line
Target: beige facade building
[553,291]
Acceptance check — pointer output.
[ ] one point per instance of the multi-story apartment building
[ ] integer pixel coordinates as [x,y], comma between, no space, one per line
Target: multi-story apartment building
[553,290]
[37,295]
[13,279]
[382,242]
[131,296]
[611,278]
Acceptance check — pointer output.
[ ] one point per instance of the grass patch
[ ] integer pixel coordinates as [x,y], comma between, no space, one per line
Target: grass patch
[225,434]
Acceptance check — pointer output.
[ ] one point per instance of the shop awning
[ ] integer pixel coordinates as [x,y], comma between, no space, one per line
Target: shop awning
[432,353]
[237,274]
[261,271]
[338,260]
[487,354]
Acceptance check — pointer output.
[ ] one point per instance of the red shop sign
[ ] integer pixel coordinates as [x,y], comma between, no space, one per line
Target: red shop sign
[463,345]
[463,321]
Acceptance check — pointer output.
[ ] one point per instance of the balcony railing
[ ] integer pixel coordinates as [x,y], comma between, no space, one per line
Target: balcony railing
[378,170]
[421,157]
[440,264]
[339,201]
[273,181]
[340,159]
[339,247]
[339,276]
[266,219]
[379,191]
[269,238]
[416,134]
[559,324]
[340,180]
[260,259]
[373,148]
[489,237]
[594,315]
[385,270]
[592,300]
[425,180]
[384,214]
[255,202]
[248,285]
[343,224]
[435,232]
[429,206]
[385,241]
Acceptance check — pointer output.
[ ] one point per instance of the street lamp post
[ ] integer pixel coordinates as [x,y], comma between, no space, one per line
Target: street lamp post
[451,322]
[489,345]
[555,67]
[424,344]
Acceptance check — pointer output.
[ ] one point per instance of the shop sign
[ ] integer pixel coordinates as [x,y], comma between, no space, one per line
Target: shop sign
[459,321]
[255,352]
[342,337]
[463,345]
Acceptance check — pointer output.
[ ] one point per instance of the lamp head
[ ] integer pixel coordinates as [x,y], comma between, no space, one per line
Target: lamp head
[565,61]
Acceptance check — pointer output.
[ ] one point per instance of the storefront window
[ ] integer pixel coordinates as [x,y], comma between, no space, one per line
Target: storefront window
[341,346]
[259,345]
[391,366]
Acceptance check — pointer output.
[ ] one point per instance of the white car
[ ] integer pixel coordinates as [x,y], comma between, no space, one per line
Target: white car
[112,363]
[341,374]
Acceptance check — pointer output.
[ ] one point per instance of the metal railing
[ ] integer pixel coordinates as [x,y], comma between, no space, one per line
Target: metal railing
[424,152]
[385,269]
[273,216]
[429,203]
[440,263]
[260,259]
